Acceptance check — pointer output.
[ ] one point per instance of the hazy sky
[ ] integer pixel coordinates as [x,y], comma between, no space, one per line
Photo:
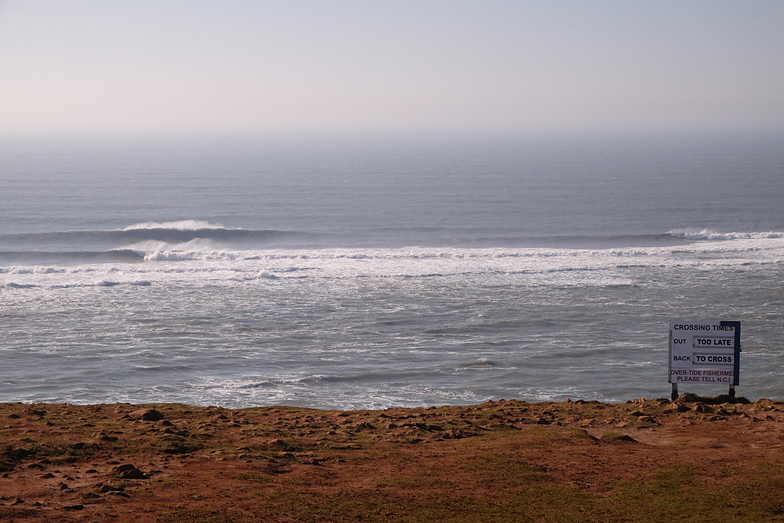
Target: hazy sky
[371,65]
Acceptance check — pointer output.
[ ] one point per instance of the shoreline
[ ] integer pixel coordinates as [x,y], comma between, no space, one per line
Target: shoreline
[503,460]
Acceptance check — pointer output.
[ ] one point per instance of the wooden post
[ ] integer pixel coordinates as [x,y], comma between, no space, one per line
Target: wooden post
[675,391]
[732,390]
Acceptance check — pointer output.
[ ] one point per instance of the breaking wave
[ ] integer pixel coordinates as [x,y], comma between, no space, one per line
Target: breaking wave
[708,234]
[181,225]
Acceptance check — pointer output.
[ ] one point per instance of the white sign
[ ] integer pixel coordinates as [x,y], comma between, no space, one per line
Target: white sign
[704,352]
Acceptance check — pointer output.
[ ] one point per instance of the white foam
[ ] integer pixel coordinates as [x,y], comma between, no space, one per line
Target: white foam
[170,256]
[196,249]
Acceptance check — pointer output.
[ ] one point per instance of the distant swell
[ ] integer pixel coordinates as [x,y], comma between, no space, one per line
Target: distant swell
[119,238]
[140,233]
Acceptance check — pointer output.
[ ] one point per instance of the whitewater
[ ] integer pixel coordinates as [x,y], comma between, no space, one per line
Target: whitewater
[375,274]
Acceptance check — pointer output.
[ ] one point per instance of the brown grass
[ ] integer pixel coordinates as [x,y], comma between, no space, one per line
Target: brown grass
[697,459]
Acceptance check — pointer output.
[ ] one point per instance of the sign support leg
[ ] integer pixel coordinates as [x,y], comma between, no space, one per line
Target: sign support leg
[732,390]
[675,391]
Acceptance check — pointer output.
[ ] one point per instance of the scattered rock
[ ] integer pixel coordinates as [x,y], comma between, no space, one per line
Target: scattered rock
[129,471]
[133,474]
[147,415]
[457,434]
[614,436]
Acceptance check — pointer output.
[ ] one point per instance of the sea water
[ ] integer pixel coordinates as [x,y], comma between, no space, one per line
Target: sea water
[375,273]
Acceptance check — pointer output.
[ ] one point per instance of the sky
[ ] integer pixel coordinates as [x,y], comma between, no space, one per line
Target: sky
[288,66]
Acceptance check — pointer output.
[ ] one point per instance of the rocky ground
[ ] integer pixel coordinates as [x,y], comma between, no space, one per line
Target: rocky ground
[696,459]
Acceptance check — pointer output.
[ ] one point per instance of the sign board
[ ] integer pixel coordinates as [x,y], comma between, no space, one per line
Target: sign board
[704,352]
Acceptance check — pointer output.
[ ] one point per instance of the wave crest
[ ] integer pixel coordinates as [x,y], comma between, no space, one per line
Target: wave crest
[181,225]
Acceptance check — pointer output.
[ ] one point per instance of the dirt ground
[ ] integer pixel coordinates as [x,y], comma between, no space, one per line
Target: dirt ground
[693,459]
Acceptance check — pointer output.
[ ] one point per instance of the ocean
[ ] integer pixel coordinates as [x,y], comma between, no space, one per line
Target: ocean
[371,273]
